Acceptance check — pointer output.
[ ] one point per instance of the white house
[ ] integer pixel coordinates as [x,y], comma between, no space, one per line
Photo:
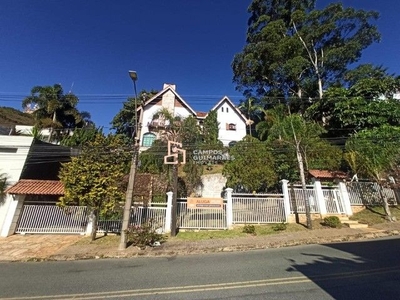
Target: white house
[232,124]
[14,151]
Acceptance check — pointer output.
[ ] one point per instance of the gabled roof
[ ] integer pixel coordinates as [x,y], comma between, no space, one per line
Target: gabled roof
[326,174]
[201,114]
[166,89]
[37,187]
[227,100]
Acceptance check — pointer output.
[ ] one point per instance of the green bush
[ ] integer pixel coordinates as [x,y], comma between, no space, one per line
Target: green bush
[250,229]
[144,235]
[279,227]
[332,221]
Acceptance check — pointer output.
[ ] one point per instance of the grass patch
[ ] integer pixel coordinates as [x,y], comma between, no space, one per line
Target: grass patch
[374,215]
[236,232]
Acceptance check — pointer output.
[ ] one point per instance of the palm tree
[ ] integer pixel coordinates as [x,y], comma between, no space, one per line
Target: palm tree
[53,109]
[273,116]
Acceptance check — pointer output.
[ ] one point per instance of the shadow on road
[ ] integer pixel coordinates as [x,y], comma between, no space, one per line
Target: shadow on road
[360,270]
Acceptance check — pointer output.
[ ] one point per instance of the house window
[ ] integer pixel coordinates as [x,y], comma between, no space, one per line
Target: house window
[230,126]
[148,139]
[227,110]
[222,109]
[8,150]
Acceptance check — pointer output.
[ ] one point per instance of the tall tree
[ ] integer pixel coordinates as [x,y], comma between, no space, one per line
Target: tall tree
[374,153]
[211,129]
[294,49]
[124,121]
[365,102]
[252,168]
[53,109]
[95,177]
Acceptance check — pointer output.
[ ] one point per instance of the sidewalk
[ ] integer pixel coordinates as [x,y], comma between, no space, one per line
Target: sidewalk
[65,247]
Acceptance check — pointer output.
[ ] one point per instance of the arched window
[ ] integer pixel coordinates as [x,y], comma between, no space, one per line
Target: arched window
[148,139]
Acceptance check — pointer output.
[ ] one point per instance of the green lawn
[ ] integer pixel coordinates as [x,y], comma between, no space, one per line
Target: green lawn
[375,215]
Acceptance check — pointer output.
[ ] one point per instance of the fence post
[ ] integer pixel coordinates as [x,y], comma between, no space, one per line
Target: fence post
[89,226]
[345,198]
[229,208]
[320,197]
[168,213]
[286,199]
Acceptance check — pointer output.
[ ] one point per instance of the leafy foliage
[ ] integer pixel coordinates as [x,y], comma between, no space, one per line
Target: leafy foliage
[54,109]
[12,116]
[95,178]
[295,49]
[252,168]
[144,235]
[3,186]
[249,229]
[332,221]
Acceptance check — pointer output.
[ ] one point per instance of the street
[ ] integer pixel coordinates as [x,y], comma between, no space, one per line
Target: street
[357,270]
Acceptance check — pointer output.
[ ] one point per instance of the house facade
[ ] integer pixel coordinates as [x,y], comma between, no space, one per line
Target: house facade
[232,124]
[14,151]
[31,168]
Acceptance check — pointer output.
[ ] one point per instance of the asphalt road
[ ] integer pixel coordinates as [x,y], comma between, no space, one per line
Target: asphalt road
[357,270]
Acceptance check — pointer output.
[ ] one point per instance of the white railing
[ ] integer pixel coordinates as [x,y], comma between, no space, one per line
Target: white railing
[198,218]
[367,193]
[52,219]
[333,202]
[268,208]
[298,203]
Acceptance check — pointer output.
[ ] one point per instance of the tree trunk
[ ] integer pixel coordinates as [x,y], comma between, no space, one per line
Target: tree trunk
[303,185]
[94,218]
[386,207]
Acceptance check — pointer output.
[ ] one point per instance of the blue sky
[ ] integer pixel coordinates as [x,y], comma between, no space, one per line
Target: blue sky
[90,46]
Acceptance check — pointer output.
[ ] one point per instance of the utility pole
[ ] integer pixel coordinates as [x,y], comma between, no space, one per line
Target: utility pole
[132,172]
[172,158]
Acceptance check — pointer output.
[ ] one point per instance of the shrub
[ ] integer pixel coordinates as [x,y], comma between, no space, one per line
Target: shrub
[332,221]
[144,235]
[279,227]
[250,229]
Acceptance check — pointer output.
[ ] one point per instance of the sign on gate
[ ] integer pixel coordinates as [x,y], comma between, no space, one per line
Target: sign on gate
[216,203]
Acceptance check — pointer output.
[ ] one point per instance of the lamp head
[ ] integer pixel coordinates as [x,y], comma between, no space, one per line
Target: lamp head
[133,75]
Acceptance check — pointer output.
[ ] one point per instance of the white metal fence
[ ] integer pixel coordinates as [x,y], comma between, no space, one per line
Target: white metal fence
[52,219]
[333,200]
[367,193]
[258,209]
[199,218]
[298,198]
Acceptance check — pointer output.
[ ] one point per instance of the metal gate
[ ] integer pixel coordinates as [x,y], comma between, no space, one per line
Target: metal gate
[333,201]
[52,219]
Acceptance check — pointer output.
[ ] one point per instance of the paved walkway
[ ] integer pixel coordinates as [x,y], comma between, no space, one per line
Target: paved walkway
[65,247]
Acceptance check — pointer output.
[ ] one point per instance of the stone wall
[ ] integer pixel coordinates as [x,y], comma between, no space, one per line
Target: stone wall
[213,186]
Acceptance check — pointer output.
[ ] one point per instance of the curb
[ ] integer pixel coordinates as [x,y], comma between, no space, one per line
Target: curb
[170,252]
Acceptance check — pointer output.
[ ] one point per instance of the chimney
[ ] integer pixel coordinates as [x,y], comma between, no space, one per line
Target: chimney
[168,98]
[172,86]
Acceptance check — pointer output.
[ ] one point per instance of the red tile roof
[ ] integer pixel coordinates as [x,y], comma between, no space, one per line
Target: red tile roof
[201,114]
[325,174]
[37,187]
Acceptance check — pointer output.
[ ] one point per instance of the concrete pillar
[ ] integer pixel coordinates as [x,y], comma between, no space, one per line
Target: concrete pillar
[229,208]
[320,197]
[15,204]
[345,198]
[286,199]
[168,213]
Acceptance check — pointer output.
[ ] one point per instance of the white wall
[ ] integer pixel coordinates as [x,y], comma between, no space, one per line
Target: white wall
[12,164]
[230,116]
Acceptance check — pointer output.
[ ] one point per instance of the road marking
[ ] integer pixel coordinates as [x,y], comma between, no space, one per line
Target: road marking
[212,287]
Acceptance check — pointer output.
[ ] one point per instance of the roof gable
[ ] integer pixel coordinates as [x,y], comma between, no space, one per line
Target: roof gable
[225,99]
[169,88]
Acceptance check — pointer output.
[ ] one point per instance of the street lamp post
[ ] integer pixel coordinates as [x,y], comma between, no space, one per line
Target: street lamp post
[132,172]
